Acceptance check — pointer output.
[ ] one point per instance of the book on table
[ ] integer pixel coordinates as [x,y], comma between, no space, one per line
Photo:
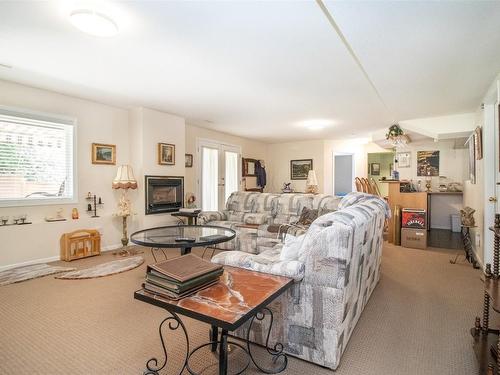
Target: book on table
[176,278]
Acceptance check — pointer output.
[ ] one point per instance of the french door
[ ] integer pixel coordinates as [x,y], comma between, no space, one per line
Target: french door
[218,173]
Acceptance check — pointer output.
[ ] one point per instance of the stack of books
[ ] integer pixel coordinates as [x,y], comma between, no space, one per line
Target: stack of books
[180,277]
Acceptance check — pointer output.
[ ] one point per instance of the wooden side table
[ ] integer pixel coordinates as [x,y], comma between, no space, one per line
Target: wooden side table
[191,216]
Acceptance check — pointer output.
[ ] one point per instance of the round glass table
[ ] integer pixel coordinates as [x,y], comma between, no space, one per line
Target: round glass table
[183,237]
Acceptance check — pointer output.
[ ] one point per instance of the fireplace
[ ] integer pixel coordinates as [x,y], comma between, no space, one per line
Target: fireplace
[164,194]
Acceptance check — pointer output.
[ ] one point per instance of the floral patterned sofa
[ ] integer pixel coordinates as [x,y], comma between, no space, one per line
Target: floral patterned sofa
[261,211]
[336,267]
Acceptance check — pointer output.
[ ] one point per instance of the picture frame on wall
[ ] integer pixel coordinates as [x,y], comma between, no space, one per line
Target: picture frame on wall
[299,169]
[427,163]
[189,161]
[403,159]
[103,154]
[375,169]
[478,143]
[166,154]
[472,158]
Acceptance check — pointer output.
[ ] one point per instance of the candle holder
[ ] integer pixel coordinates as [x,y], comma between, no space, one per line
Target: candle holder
[94,202]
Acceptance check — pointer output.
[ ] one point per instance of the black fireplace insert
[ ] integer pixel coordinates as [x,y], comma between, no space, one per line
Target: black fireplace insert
[164,194]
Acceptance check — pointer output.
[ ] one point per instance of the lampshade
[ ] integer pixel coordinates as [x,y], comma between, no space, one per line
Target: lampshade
[311,179]
[124,178]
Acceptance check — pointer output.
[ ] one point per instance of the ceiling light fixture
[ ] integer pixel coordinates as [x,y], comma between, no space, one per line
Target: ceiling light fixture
[318,124]
[94,23]
[397,136]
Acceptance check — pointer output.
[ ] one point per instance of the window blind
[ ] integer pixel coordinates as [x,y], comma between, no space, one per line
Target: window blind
[36,159]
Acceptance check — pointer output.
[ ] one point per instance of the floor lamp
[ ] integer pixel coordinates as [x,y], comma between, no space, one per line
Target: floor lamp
[124,180]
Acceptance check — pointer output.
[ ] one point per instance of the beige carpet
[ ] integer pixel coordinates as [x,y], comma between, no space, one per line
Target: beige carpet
[416,323]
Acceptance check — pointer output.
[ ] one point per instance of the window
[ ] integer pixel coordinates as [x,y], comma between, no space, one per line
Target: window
[34,172]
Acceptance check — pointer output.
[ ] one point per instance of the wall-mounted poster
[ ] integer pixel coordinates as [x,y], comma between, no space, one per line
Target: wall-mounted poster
[403,159]
[427,163]
[375,169]
[300,168]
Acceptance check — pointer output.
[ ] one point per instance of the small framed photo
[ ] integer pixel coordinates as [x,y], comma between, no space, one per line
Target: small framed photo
[189,161]
[375,169]
[166,154]
[299,169]
[103,154]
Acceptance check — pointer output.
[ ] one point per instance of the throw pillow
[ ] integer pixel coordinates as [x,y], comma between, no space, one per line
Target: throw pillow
[307,216]
[291,247]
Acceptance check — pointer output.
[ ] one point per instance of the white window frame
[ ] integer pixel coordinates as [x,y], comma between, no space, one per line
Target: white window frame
[49,117]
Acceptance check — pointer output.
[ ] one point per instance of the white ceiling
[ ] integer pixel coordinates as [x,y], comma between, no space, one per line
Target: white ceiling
[257,69]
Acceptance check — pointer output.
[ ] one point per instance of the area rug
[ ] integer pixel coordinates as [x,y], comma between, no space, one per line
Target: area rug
[105,269]
[16,275]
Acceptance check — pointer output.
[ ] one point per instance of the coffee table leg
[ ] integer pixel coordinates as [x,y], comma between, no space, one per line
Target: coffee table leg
[223,353]
[276,351]
[214,336]
[153,367]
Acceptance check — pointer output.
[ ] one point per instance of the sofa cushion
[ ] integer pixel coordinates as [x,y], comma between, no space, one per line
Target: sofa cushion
[291,247]
[307,216]
[241,201]
[287,208]
[266,262]
[264,202]
[257,218]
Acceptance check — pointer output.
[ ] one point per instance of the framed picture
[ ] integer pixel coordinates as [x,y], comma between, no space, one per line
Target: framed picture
[427,163]
[478,143]
[189,160]
[300,168]
[472,158]
[375,169]
[103,154]
[403,159]
[166,154]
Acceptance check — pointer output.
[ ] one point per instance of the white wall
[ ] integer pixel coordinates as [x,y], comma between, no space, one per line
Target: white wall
[249,149]
[148,128]
[96,123]
[280,154]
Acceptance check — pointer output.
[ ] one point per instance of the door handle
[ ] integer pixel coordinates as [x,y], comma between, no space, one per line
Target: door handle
[492,199]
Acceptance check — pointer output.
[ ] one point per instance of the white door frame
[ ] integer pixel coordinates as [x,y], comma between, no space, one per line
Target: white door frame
[490,156]
[221,146]
[336,153]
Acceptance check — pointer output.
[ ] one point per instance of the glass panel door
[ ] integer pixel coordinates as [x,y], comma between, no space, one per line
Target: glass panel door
[219,175]
[209,179]
[231,172]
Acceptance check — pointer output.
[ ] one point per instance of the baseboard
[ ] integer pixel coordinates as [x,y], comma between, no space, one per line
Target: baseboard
[51,259]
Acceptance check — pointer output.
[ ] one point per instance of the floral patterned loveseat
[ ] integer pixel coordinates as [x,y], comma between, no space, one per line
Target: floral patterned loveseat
[336,267]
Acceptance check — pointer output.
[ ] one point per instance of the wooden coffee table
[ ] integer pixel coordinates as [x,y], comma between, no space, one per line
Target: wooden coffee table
[239,296]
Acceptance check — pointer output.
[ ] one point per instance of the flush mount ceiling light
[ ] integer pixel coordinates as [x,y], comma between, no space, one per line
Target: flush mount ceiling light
[93,22]
[318,124]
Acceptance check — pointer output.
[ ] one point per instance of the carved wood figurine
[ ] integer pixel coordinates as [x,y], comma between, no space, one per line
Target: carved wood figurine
[467,216]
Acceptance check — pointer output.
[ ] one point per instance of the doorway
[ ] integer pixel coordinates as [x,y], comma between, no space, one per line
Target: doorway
[343,173]
[219,173]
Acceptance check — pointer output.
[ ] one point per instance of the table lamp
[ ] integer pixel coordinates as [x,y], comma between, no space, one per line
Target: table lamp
[312,183]
[124,180]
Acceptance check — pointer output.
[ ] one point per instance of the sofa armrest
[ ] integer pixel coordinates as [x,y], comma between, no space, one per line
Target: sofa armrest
[266,262]
[206,217]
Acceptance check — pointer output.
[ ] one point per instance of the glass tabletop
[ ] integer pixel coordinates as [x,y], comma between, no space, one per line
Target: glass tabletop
[182,236]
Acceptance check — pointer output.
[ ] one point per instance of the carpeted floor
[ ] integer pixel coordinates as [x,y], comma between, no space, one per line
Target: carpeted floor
[416,323]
